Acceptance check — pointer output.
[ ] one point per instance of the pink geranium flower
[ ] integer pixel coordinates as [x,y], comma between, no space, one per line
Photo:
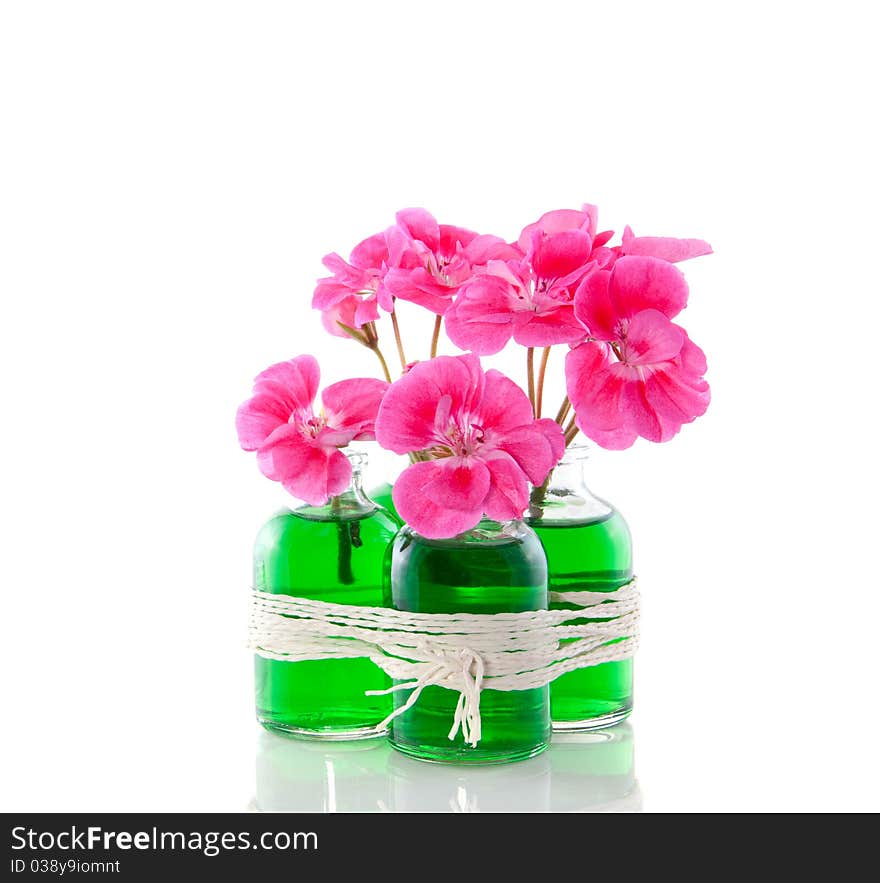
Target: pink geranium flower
[531,299]
[430,261]
[295,445]
[479,430]
[639,374]
[355,291]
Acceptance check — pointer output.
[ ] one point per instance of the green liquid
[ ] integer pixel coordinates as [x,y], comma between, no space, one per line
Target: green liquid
[504,575]
[592,556]
[308,554]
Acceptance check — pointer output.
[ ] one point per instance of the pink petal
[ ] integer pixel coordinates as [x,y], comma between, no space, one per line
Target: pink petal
[640,415]
[612,440]
[644,283]
[407,416]
[344,311]
[405,421]
[692,358]
[257,418]
[602,238]
[367,311]
[509,491]
[308,471]
[677,390]
[352,405]
[651,338]
[532,450]
[604,257]
[385,298]
[553,433]
[294,383]
[452,239]
[372,253]
[335,263]
[676,397]
[418,508]
[457,482]
[504,405]
[593,388]
[334,438]
[328,293]
[560,254]
[460,377]
[483,249]
[594,308]
[345,275]
[559,221]
[665,248]
[517,274]
[591,213]
[421,225]
[562,287]
[547,329]
[418,286]
[481,317]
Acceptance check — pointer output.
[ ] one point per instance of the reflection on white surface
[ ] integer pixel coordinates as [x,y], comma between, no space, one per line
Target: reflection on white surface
[593,772]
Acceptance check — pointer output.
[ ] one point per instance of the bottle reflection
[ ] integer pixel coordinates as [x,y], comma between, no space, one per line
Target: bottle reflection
[298,775]
[594,772]
[587,772]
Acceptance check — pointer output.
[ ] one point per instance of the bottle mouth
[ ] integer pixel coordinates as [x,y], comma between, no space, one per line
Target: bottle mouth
[575,454]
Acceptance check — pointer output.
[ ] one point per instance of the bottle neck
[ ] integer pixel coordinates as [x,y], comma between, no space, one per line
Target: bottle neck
[353,502]
[353,498]
[565,496]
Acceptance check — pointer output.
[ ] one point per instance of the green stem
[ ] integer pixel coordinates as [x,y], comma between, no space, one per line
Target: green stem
[343,530]
[435,340]
[398,341]
[562,413]
[541,371]
[530,370]
[536,497]
[382,362]
[354,334]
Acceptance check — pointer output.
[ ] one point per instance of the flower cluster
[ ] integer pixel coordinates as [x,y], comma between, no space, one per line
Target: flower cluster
[474,438]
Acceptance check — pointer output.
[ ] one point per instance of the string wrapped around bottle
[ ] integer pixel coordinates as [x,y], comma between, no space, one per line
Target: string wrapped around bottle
[466,652]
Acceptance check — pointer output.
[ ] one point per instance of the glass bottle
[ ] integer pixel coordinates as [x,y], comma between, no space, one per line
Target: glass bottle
[332,553]
[494,568]
[588,548]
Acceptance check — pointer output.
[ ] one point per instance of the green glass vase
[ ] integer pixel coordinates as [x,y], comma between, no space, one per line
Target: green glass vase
[494,568]
[332,553]
[588,548]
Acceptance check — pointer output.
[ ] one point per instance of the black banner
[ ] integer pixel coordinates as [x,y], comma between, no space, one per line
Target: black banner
[42,847]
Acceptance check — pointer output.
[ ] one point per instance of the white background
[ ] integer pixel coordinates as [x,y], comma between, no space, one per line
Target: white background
[172,173]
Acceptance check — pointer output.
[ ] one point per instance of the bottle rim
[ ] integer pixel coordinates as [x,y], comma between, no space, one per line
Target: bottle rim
[577,453]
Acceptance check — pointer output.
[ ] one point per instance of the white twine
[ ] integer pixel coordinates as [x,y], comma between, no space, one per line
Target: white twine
[466,652]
